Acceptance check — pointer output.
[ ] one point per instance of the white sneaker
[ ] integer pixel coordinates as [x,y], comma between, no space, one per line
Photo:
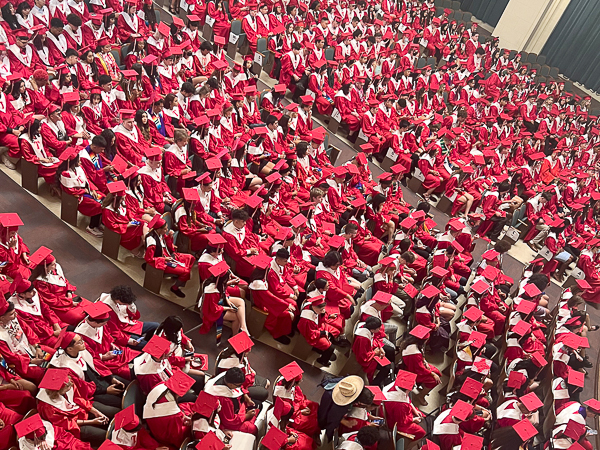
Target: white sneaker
[94,232]
[7,162]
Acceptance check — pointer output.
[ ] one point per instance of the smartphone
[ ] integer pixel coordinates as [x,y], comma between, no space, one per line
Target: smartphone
[187,354]
[308,236]
[378,422]
[134,222]
[3,263]
[140,339]
[117,352]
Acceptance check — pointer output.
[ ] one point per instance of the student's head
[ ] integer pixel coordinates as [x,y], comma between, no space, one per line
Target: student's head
[545,197]
[122,295]
[180,137]
[71,56]
[239,218]
[56,26]
[372,323]
[296,47]
[316,195]
[366,397]
[105,82]
[74,21]
[332,260]
[282,257]
[350,230]
[234,378]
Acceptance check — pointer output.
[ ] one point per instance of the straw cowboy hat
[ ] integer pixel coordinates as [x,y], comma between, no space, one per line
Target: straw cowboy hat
[347,390]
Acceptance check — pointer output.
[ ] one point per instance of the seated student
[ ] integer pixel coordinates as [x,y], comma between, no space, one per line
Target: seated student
[399,408]
[62,405]
[124,324]
[238,412]
[237,356]
[287,388]
[368,348]
[161,254]
[216,303]
[241,242]
[92,380]
[101,345]
[156,192]
[74,181]
[12,248]
[343,290]
[34,433]
[57,292]
[33,150]
[33,311]
[19,345]
[280,309]
[314,326]
[130,434]
[169,421]
[17,394]
[152,366]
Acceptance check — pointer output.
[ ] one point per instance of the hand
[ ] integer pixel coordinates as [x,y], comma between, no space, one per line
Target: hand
[1,424]
[56,332]
[114,390]
[102,420]
[187,421]
[39,353]
[305,412]
[437,379]
[12,242]
[250,414]
[16,132]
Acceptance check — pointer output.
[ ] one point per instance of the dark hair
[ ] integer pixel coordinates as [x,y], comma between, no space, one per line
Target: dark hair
[74,19]
[296,46]
[372,323]
[366,397]
[368,436]
[104,79]
[332,258]
[11,19]
[283,253]
[187,87]
[71,52]
[110,148]
[123,293]
[234,376]
[239,214]
[55,22]
[170,327]
[99,141]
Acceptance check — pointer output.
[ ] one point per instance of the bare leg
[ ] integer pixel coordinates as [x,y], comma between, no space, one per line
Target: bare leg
[391,229]
[470,200]
[241,312]
[232,317]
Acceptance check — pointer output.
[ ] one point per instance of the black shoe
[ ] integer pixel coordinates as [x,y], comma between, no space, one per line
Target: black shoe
[144,266]
[292,334]
[283,340]
[177,292]
[333,357]
[587,364]
[324,363]
[342,341]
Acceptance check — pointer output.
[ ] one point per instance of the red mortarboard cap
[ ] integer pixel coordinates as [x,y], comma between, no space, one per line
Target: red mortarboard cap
[481,365]
[410,290]
[68,154]
[54,379]
[440,272]
[358,202]
[203,177]
[180,382]
[281,408]
[298,220]
[157,346]
[387,261]
[461,410]
[280,88]
[272,178]
[152,152]
[574,430]
[376,390]
[516,379]
[539,359]
[193,18]
[408,223]
[30,425]
[593,404]
[191,194]
[478,338]
[210,442]
[241,342]
[328,226]
[521,328]
[129,73]
[471,388]
[531,401]
[291,371]
[215,239]
[340,171]
[253,201]
[473,313]
[261,260]
[38,256]
[459,248]
[219,269]
[405,379]
[456,225]
[126,419]
[116,187]
[213,163]
[109,445]
[219,40]
[576,378]
[149,59]
[430,291]
[572,340]
[220,64]
[163,29]
[127,114]
[526,307]
[583,284]
[133,170]
[382,297]
[490,255]
[420,331]
[97,310]
[71,97]
[205,404]
[536,156]
[336,241]
[490,273]
[178,22]
[274,439]
[525,429]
